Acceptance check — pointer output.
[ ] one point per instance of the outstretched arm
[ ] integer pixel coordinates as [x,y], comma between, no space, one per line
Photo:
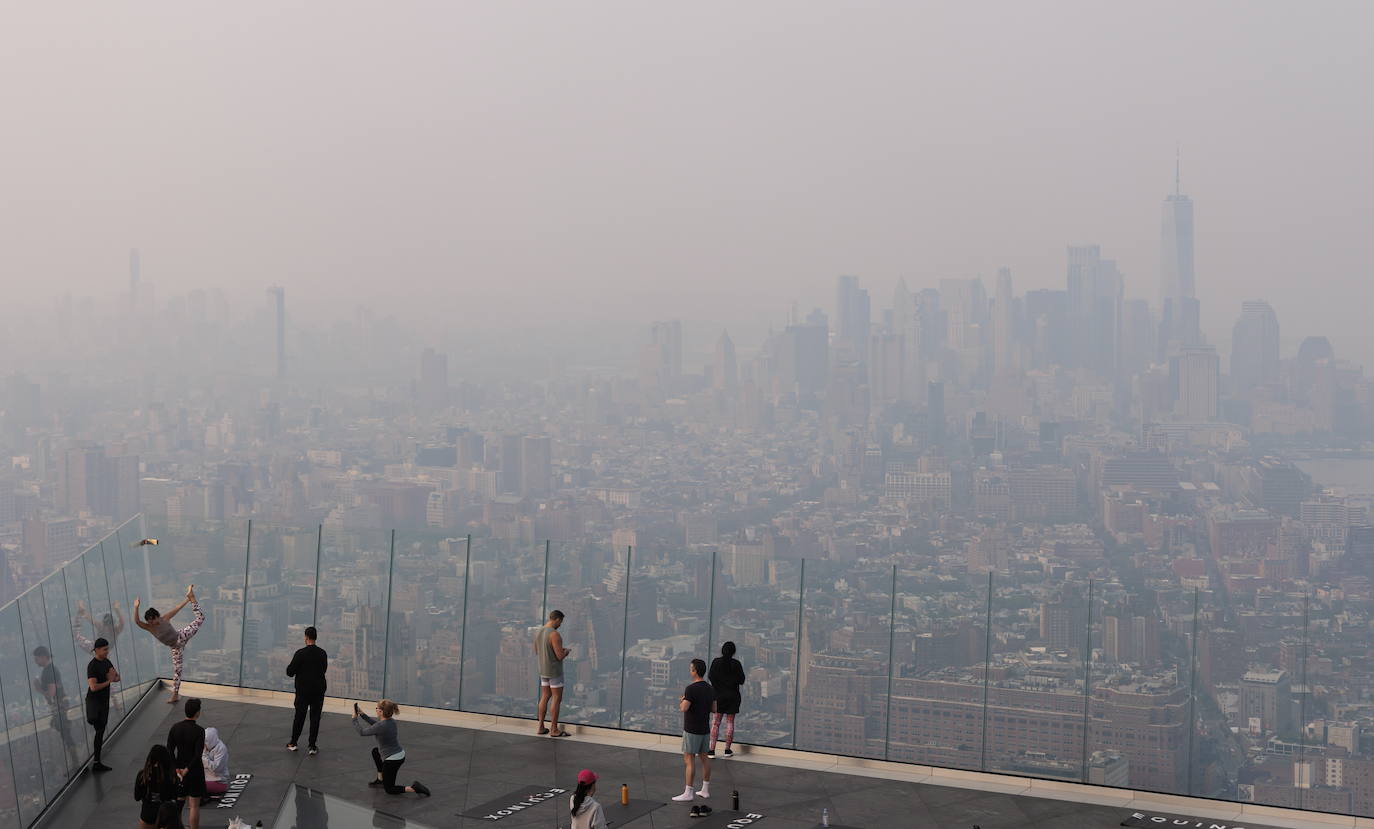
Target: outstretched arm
[190,597]
[138,617]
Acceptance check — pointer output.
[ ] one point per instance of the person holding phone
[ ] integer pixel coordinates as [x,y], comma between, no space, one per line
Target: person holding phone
[387,755]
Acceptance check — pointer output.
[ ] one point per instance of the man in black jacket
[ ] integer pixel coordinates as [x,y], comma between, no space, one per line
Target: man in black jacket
[308,666]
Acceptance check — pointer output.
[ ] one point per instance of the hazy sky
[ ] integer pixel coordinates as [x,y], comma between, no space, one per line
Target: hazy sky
[703,160]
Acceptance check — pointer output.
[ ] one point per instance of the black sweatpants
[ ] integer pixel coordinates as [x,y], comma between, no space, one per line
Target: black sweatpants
[99,727]
[388,769]
[312,703]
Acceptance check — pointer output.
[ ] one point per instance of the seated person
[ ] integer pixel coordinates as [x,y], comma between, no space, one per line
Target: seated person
[215,759]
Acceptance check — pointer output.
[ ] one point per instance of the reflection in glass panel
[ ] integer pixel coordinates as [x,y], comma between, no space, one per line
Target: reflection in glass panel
[48,688]
[17,695]
[940,651]
[425,637]
[587,583]
[755,607]
[304,808]
[105,618]
[281,602]
[355,568]
[670,596]
[212,556]
[504,609]
[71,589]
[842,702]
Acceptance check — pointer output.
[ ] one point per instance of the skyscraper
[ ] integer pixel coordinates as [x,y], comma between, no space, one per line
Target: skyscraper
[1177,295]
[278,295]
[1254,347]
[724,369]
[1004,336]
[852,316]
[1096,292]
[1193,373]
[536,465]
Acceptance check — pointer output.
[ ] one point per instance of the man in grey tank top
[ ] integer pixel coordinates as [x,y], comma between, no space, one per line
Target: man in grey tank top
[548,647]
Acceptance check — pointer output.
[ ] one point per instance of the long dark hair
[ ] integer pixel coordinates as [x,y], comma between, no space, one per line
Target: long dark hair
[580,795]
[156,767]
[727,650]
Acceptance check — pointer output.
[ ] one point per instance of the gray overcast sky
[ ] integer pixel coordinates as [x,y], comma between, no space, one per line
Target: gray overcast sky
[705,160]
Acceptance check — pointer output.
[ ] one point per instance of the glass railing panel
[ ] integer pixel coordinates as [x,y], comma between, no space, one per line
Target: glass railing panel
[1040,647]
[80,638]
[49,684]
[843,664]
[134,577]
[425,636]
[212,555]
[105,617]
[355,572]
[17,693]
[505,607]
[941,652]
[1138,699]
[587,582]
[669,609]
[9,803]
[281,602]
[755,608]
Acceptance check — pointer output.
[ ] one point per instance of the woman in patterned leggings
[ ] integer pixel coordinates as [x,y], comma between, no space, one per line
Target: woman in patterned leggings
[161,628]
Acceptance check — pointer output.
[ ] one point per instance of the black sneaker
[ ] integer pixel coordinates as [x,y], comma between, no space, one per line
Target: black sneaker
[98,766]
[290,746]
[711,753]
[729,753]
[313,750]
[696,812]
[705,810]
[420,788]
[374,782]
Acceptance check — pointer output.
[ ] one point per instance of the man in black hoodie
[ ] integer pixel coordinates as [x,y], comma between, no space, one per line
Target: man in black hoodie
[308,666]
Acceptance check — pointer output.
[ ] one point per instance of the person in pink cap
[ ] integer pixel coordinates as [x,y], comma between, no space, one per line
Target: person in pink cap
[586,812]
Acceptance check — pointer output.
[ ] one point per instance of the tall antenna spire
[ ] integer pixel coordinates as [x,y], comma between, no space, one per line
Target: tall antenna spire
[1177,154]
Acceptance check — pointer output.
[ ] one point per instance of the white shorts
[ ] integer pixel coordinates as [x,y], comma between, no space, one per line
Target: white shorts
[551,682]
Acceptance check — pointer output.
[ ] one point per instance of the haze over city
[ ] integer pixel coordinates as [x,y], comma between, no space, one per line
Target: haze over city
[993,375]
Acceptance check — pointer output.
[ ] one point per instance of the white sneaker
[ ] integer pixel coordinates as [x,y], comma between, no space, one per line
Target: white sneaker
[704,791]
[685,796]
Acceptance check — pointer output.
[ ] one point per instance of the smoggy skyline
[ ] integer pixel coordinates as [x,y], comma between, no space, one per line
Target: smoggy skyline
[622,162]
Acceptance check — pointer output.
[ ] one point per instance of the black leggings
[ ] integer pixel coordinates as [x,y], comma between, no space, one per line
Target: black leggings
[387,769]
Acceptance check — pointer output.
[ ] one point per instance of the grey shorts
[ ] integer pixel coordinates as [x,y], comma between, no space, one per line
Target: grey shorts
[695,743]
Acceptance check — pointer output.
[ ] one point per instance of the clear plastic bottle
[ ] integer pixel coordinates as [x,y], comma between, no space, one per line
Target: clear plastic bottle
[825,817]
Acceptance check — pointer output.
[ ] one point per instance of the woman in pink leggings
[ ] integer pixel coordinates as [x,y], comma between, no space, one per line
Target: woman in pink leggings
[161,628]
[727,678]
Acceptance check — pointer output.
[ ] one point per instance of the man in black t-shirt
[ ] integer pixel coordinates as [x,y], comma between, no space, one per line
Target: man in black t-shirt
[696,705]
[49,684]
[308,666]
[186,741]
[100,672]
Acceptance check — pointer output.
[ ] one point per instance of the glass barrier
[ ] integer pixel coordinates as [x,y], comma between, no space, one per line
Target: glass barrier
[755,609]
[280,603]
[16,692]
[504,609]
[843,663]
[1029,665]
[428,581]
[588,585]
[941,659]
[354,583]
[668,612]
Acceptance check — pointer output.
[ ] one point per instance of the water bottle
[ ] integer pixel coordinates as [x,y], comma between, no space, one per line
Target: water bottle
[734,800]
[624,794]
[825,817]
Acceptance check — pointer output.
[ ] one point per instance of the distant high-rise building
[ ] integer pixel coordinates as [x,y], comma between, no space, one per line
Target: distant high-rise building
[511,467]
[1193,374]
[724,369]
[1177,291]
[852,316]
[804,358]
[886,371]
[432,391]
[536,465]
[935,413]
[1004,332]
[1254,347]
[1096,293]
[278,295]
